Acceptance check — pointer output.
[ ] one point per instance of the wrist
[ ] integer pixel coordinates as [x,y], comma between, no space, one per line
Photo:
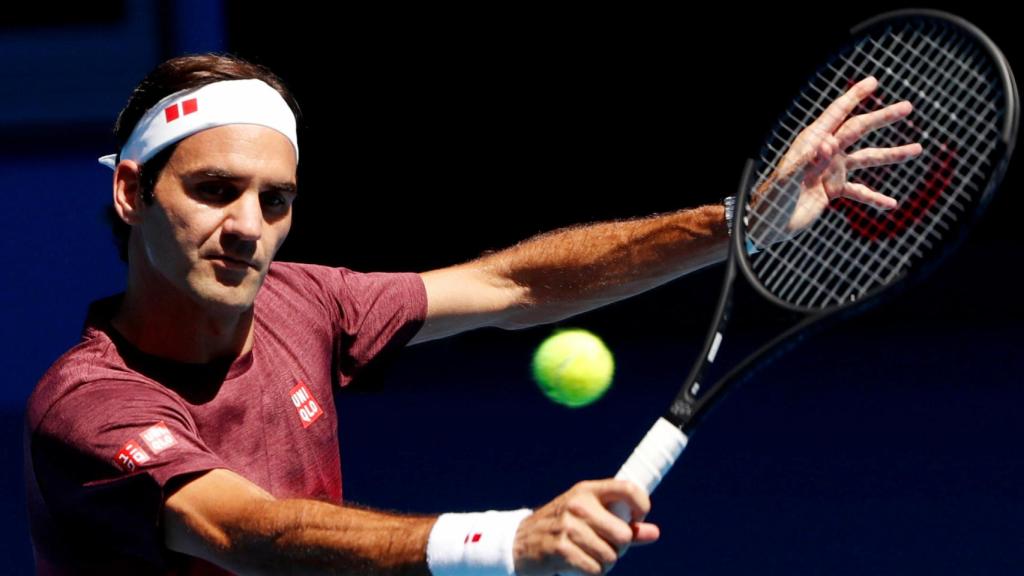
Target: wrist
[729,203]
[476,543]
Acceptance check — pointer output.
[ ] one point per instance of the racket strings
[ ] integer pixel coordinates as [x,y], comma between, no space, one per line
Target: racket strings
[822,102]
[852,248]
[968,119]
[864,223]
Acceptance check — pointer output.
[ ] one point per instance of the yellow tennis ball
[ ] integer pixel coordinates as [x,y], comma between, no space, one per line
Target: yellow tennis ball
[573,367]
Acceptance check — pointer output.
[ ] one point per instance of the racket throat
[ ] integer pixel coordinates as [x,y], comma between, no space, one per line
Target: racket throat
[688,402]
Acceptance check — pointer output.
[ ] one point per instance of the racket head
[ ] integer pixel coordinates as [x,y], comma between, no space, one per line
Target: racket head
[965,116]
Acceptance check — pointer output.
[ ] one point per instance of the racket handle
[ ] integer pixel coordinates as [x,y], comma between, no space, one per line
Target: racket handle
[647,465]
[652,458]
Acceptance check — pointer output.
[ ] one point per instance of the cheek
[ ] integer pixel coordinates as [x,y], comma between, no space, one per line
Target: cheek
[173,234]
[281,229]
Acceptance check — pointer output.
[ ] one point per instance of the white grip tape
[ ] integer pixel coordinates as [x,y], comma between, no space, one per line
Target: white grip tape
[654,456]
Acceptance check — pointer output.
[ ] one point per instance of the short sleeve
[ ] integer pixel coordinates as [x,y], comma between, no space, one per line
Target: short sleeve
[102,457]
[368,316]
[380,313]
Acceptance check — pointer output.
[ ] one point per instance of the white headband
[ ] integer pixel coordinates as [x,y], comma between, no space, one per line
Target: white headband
[184,113]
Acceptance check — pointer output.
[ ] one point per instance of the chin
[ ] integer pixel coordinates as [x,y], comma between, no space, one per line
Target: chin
[226,299]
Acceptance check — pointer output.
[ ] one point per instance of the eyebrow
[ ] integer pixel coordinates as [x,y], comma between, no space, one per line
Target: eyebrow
[215,173]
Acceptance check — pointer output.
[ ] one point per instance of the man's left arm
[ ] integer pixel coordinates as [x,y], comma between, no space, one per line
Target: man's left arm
[565,272]
[568,271]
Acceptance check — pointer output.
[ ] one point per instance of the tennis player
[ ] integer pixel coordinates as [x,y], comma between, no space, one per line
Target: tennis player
[192,429]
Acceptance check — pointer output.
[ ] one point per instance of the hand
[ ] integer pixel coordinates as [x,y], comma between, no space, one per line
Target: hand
[576,532]
[818,163]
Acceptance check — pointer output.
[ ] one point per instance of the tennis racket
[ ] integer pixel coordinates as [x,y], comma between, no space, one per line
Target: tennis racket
[809,235]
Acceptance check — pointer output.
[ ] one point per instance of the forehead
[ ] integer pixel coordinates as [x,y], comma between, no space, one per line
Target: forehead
[249,149]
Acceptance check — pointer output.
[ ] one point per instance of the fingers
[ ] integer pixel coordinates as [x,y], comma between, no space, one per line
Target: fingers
[553,541]
[602,532]
[836,113]
[818,165]
[865,195]
[869,157]
[577,531]
[645,533]
[833,123]
[583,549]
[613,490]
[604,524]
[820,160]
[855,128]
[819,139]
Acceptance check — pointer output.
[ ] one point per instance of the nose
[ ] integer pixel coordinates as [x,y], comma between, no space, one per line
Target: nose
[245,217]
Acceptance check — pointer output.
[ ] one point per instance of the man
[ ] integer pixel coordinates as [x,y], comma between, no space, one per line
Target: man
[191,430]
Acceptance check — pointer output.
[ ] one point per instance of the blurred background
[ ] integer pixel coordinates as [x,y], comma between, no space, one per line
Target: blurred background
[883,445]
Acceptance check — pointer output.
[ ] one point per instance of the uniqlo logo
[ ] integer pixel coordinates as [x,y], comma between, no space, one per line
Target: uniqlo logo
[307,407]
[131,456]
[158,437]
[473,538]
[175,111]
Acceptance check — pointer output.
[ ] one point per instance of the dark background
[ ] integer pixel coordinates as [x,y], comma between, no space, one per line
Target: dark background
[887,444]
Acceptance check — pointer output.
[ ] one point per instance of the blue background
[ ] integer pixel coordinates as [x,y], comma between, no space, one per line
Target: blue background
[887,444]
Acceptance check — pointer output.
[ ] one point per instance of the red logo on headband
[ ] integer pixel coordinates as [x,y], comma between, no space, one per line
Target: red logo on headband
[189,106]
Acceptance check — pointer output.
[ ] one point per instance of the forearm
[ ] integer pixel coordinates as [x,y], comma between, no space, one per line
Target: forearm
[572,270]
[311,537]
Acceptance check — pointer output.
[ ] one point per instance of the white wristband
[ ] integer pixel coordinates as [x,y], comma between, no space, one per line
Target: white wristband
[474,544]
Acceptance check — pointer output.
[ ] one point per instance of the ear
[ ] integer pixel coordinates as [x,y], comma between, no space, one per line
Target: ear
[128,192]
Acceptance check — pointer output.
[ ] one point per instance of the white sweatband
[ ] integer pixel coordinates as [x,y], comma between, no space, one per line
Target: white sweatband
[474,544]
[184,113]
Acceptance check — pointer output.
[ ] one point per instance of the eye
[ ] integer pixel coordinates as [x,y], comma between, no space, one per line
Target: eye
[275,200]
[216,191]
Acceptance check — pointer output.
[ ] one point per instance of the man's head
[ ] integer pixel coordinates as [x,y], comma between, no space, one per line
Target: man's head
[221,189]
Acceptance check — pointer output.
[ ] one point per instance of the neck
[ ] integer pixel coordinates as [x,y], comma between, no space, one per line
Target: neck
[159,319]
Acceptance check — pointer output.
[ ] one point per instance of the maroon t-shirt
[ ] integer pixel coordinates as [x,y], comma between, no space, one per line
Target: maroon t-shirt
[108,426]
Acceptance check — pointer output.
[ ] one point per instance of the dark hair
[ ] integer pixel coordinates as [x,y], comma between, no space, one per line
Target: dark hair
[175,75]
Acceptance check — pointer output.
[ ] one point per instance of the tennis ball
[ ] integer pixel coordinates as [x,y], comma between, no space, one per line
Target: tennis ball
[573,367]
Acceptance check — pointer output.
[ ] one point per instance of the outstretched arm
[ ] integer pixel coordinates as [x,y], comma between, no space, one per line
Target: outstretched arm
[227,520]
[572,270]
[569,271]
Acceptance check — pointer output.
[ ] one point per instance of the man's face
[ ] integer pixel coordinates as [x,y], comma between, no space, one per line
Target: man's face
[222,208]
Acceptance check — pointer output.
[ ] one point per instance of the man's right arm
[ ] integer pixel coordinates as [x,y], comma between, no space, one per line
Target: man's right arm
[226,519]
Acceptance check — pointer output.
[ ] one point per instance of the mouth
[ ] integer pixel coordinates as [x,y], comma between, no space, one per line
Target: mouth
[232,263]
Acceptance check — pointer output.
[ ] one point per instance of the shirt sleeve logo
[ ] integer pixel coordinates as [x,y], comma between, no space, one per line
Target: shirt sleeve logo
[131,456]
[307,407]
[158,438]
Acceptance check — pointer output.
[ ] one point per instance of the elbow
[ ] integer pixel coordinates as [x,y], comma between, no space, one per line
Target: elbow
[248,544]
[530,313]
[517,325]
[233,538]
[521,312]
[533,316]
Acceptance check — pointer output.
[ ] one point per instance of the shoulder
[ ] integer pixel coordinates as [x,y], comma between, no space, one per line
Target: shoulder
[91,382]
[343,288]
[296,274]
[86,361]
[293,279]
